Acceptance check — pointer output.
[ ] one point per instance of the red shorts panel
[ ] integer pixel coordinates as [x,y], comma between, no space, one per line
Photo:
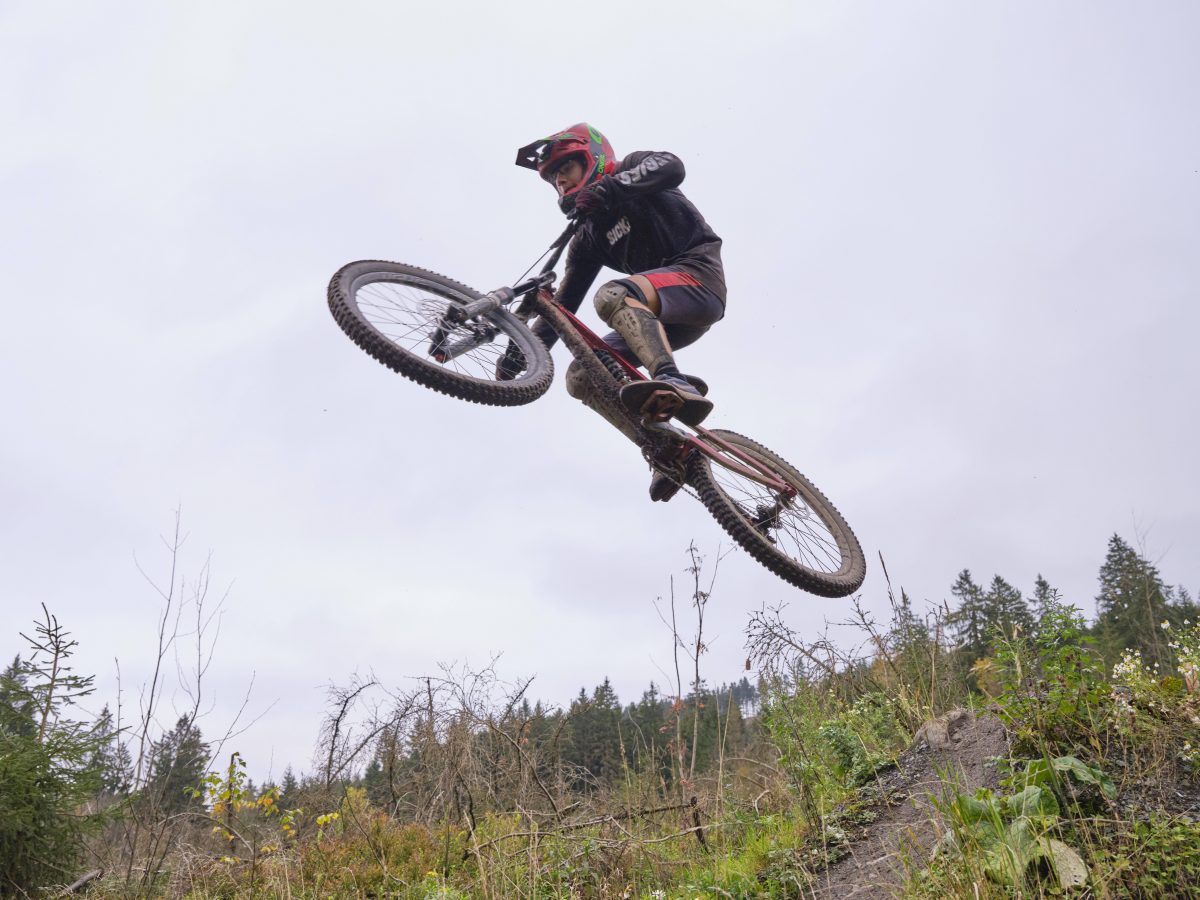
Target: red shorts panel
[671,279]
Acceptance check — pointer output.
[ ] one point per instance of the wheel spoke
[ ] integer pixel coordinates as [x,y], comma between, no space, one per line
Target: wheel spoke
[407,314]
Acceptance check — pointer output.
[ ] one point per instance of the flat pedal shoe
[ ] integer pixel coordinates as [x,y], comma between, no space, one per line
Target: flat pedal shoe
[658,401]
[663,487]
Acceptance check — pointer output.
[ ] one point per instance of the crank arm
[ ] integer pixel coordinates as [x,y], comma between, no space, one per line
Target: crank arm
[667,428]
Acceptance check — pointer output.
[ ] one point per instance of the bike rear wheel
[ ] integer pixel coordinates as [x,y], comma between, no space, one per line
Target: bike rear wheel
[393,311]
[802,539]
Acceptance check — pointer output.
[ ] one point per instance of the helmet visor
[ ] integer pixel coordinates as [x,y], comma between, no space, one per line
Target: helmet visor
[551,151]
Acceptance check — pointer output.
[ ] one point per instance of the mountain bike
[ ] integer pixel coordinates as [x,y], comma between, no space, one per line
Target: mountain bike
[449,337]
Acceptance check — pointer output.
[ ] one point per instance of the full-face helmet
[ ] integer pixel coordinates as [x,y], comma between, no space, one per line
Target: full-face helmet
[580,141]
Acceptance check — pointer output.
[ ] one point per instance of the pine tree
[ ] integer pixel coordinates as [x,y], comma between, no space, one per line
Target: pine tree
[385,770]
[111,759]
[718,720]
[541,730]
[1005,611]
[645,725]
[746,696]
[1131,606]
[910,647]
[1182,609]
[606,722]
[968,620]
[983,616]
[178,763]
[46,773]
[594,743]
[908,631]
[289,789]
[16,702]
[1044,597]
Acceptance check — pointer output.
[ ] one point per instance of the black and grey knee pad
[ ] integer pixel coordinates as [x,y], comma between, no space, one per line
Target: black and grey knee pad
[611,298]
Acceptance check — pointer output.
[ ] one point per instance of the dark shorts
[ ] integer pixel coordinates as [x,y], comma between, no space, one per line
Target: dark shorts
[688,308]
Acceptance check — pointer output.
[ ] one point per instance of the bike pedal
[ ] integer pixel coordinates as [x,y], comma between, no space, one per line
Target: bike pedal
[661,406]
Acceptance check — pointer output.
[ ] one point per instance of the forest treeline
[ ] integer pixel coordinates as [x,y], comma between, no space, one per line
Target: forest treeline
[469,761]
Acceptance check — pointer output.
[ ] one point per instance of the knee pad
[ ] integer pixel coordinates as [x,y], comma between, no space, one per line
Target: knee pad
[577,382]
[611,297]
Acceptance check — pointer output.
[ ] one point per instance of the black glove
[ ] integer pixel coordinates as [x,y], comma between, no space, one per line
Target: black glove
[592,200]
[511,364]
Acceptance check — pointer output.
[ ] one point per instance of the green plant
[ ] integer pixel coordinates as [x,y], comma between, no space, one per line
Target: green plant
[1157,713]
[249,821]
[827,746]
[1158,858]
[865,738]
[1010,835]
[1057,775]
[770,860]
[1186,645]
[434,887]
[1053,682]
[792,720]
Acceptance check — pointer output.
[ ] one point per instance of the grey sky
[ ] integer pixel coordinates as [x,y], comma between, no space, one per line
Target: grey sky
[960,239]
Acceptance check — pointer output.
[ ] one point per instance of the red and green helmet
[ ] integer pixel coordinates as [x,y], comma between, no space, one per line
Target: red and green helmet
[547,154]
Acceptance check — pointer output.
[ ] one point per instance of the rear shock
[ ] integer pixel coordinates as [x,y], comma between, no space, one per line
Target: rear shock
[614,367]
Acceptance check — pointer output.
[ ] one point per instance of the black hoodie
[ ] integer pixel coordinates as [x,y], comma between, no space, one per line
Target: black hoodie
[649,224]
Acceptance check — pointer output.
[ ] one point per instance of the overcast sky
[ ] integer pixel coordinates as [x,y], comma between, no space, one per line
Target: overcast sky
[961,243]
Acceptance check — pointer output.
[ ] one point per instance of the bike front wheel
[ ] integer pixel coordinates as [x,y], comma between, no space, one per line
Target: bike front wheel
[799,536]
[397,314]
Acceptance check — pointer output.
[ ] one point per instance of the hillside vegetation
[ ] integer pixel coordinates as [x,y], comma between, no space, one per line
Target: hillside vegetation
[1001,747]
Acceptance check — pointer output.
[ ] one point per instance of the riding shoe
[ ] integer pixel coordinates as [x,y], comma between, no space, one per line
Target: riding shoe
[663,487]
[654,399]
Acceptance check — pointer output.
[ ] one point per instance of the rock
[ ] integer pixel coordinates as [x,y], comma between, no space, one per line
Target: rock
[941,733]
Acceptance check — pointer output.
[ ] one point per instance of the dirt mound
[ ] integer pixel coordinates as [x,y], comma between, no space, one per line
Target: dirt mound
[899,807]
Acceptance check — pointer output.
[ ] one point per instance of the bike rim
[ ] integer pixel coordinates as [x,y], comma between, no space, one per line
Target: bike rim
[407,311]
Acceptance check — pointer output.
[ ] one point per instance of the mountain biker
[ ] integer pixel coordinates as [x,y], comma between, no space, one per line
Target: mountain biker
[634,219]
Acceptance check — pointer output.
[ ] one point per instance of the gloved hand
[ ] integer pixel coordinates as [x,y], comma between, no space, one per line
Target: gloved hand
[592,200]
[511,364]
